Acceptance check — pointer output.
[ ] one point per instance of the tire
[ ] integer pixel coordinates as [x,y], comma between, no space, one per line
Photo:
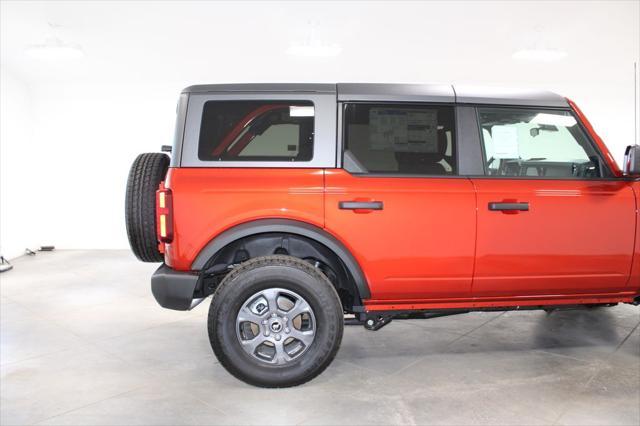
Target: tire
[146,173]
[291,276]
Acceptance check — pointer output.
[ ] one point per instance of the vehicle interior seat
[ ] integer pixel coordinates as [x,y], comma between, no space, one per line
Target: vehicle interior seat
[427,163]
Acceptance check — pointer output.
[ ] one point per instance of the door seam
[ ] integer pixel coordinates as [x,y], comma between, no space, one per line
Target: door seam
[324,198]
[634,253]
[475,242]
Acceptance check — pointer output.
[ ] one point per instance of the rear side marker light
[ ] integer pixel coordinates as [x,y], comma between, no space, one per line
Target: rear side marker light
[164,214]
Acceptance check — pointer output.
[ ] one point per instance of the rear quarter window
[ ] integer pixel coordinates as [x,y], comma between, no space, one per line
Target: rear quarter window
[257,131]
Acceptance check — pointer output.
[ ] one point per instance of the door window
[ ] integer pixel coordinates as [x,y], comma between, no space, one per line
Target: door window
[399,139]
[257,131]
[537,143]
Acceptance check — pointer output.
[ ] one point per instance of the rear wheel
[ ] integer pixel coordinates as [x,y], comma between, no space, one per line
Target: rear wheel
[147,171]
[275,321]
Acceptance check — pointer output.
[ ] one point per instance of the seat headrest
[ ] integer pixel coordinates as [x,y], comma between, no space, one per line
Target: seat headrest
[443,142]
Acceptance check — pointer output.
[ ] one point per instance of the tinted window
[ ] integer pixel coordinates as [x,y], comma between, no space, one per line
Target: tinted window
[532,142]
[402,139]
[257,131]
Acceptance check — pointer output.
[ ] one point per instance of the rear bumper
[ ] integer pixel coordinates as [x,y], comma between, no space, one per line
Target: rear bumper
[174,289]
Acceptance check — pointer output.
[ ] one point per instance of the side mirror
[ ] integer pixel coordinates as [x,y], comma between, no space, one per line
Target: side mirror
[632,161]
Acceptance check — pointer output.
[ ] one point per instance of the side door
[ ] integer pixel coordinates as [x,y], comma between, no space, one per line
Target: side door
[552,219]
[399,204]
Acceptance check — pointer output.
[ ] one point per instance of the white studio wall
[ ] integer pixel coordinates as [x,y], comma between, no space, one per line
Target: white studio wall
[16,180]
[72,123]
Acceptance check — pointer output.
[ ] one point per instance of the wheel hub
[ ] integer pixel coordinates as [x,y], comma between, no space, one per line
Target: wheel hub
[275,325]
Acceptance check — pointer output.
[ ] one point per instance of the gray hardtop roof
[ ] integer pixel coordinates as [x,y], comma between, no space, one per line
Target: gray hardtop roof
[263,87]
[399,92]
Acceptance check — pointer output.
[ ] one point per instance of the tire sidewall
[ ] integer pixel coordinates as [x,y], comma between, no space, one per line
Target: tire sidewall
[145,175]
[320,295]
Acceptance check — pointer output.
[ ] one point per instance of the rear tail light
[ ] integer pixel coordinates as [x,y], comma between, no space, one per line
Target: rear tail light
[164,214]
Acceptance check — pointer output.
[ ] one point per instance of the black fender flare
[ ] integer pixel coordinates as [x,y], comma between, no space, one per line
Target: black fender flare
[287,226]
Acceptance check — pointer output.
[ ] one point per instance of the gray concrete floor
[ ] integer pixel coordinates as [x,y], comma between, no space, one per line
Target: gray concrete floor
[83,342]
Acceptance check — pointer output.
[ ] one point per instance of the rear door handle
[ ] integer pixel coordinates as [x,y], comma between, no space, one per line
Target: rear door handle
[519,207]
[360,205]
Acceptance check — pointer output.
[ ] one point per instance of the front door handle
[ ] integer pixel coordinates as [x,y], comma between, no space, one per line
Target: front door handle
[518,207]
[360,205]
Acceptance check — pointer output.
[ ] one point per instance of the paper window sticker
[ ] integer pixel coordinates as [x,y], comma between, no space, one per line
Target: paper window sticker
[403,130]
[505,142]
[422,129]
[387,128]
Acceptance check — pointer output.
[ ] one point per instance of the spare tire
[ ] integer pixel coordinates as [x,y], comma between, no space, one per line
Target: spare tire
[146,173]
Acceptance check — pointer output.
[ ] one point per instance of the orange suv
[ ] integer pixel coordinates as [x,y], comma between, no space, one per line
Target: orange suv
[295,204]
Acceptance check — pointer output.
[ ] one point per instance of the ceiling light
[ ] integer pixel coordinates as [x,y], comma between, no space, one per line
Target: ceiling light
[539,55]
[53,48]
[554,120]
[314,49]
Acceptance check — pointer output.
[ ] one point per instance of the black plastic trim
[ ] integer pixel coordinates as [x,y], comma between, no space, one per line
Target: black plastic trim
[173,289]
[520,207]
[470,155]
[360,205]
[405,175]
[595,179]
[285,226]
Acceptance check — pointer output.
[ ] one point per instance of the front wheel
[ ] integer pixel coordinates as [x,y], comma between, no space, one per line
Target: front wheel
[275,321]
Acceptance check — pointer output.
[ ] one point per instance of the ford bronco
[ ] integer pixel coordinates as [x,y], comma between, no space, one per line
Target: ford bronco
[299,205]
